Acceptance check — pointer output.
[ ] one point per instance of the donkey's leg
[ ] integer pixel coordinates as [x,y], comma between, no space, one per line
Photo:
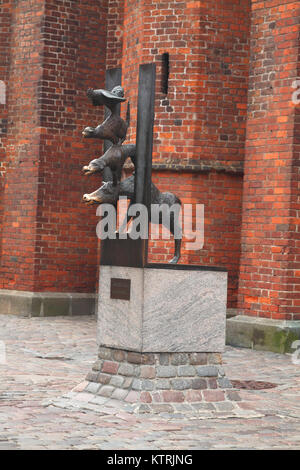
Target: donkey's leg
[126,220]
[175,228]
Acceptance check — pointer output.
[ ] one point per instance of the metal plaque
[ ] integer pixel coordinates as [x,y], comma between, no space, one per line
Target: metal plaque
[120,288]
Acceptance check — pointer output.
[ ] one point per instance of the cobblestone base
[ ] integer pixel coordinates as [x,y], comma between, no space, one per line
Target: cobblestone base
[160,378]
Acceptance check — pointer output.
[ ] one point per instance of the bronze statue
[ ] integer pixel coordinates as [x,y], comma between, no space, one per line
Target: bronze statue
[109,193]
[114,158]
[114,128]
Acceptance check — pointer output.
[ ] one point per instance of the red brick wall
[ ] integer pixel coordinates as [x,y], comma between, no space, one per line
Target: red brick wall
[203,115]
[269,278]
[5,22]
[49,240]
[59,49]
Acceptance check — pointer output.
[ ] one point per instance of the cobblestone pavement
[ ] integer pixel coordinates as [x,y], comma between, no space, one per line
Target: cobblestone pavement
[47,357]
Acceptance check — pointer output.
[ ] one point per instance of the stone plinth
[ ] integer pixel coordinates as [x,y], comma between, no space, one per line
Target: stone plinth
[161,331]
[171,309]
[154,380]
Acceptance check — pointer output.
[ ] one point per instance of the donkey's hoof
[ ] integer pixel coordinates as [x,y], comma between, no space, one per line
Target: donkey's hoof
[174,260]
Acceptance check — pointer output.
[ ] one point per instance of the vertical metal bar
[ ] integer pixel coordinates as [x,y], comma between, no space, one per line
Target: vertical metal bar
[113,77]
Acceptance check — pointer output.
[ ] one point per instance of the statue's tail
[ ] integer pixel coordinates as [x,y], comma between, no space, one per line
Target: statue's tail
[128,115]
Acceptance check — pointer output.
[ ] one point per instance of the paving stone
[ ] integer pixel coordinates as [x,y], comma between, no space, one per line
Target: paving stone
[172,396]
[181,384]
[147,372]
[106,391]
[225,406]
[103,378]
[117,381]
[213,395]
[127,382]
[179,359]
[92,376]
[110,367]
[166,371]
[137,384]
[164,359]
[93,387]
[224,382]
[199,384]
[119,355]
[104,353]
[163,384]
[186,371]
[127,369]
[133,397]
[34,414]
[198,359]
[207,371]
[119,394]
[147,384]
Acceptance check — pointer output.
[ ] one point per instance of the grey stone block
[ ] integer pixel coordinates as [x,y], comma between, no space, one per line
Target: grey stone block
[127,382]
[186,371]
[263,334]
[163,384]
[223,382]
[104,353]
[164,359]
[56,306]
[127,369]
[106,391]
[181,384]
[117,381]
[195,297]
[224,406]
[97,365]
[92,387]
[166,371]
[35,304]
[136,384]
[147,385]
[179,359]
[198,359]
[199,384]
[207,371]
[119,394]
[84,305]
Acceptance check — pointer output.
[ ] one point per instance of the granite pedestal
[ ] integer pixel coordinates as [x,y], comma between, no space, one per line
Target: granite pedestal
[161,332]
